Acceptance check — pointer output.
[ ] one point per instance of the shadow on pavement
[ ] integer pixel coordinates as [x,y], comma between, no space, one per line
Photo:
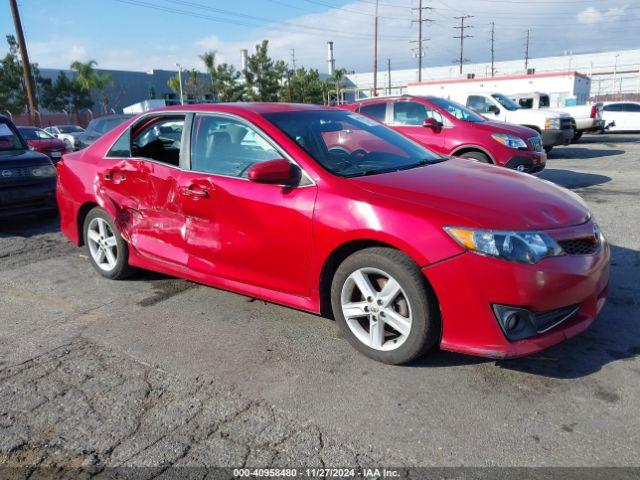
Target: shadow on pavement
[571,179]
[29,226]
[609,138]
[582,153]
[614,336]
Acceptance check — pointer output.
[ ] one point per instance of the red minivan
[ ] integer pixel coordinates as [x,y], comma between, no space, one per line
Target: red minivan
[449,128]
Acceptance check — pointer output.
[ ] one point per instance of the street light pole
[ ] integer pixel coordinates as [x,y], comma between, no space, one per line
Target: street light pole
[180,82]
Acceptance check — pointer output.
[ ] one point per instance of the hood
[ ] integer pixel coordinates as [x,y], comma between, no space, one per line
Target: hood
[23,158]
[466,193]
[48,143]
[502,127]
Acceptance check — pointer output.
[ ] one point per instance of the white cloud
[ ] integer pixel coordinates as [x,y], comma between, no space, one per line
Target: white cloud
[58,51]
[592,15]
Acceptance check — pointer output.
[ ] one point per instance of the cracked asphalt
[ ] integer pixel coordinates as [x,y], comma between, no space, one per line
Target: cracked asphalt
[158,372]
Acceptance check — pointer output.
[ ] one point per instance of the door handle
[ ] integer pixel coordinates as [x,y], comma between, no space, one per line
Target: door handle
[195,193]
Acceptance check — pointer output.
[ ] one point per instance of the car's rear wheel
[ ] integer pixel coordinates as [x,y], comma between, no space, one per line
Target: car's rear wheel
[108,252]
[479,156]
[576,136]
[383,305]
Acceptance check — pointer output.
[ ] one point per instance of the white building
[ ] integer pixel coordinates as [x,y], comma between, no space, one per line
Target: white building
[611,72]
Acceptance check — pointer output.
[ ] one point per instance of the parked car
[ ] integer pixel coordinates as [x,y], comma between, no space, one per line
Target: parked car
[67,133]
[27,178]
[97,128]
[449,128]
[588,117]
[404,247]
[621,116]
[43,142]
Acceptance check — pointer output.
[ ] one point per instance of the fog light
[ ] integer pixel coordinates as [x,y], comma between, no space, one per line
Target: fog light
[516,323]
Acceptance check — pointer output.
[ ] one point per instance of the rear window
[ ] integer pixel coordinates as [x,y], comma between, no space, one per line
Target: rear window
[9,140]
[377,111]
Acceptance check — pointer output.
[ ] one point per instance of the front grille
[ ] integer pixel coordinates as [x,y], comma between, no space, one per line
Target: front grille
[579,246]
[547,320]
[566,123]
[8,174]
[536,144]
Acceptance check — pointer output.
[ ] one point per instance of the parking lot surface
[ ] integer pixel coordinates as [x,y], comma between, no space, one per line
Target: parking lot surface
[157,371]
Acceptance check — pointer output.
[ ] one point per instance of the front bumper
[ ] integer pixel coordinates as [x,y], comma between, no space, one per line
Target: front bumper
[28,199]
[531,162]
[469,284]
[551,138]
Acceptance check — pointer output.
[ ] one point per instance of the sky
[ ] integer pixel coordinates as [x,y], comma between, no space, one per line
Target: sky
[143,35]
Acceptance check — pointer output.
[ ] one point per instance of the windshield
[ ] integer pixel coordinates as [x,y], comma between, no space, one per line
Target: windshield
[70,129]
[349,144]
[457,110]
[109,124]
[8,139]
[505,102]
[34,134]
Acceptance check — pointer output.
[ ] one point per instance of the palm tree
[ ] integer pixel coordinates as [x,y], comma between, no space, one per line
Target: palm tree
[209,60]
[89,79]
[337,78]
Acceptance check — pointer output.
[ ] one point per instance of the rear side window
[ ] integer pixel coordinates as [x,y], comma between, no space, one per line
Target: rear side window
[616,107]
[630,107]
[376,110]
[527,103]
[413,114]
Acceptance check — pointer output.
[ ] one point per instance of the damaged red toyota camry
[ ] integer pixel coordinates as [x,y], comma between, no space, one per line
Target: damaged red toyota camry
[328,211]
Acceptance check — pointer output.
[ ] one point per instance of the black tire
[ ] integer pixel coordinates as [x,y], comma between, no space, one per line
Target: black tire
[576,136]
[479,156]
[548,149]
[122,269]
[425,325]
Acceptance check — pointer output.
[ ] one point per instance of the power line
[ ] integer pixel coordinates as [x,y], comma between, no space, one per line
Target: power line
[420,42]
[462,36]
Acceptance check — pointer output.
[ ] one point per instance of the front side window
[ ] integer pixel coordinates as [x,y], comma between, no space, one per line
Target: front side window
[413,114]
[526,103]
[478,103]
[376,110]
[615,107]
[630,107]
[350,145]
[224,146]
[544,101]
[457,110]
[9,140]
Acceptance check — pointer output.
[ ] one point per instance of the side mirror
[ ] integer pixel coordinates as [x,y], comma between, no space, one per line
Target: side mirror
[433,124]
[277,172]
[493,109]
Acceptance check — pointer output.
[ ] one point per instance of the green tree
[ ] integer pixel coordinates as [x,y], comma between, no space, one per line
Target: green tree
[12,92]
[174,83]
[336,82]
[209,60]
[89,79]
[304,86]
[263,75]
[225,79]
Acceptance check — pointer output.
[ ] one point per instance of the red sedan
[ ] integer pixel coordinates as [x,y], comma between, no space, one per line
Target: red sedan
[405,248]
[44,142]
[450,128]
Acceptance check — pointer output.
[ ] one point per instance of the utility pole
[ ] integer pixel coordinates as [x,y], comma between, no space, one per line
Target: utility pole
[493,32]
[293,58]
[375,53]
[388,76]
[526,52]
[26,66]
[420,42]
[462,36]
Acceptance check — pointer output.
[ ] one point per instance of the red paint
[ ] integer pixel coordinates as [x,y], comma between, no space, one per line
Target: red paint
[272,242]
[463,136]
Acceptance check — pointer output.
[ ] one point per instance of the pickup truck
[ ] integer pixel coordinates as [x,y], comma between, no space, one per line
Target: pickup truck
[588,117]
[555,128]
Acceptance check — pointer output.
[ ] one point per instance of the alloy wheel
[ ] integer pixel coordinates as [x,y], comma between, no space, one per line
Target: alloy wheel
[376,309]
[103,245]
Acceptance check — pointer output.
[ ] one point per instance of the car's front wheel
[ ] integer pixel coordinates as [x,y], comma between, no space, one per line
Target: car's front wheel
[108,252]
[383,305]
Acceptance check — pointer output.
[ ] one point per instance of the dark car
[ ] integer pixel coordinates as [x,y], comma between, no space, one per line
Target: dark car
[98,127]
[27,178]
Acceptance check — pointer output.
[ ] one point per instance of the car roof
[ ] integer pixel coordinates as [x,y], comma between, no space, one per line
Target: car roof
[382,98]
[260,108]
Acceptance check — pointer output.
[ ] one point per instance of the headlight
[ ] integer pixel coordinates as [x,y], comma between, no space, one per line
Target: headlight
[509,140]
[552,124]
[44,172]
[526,247]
